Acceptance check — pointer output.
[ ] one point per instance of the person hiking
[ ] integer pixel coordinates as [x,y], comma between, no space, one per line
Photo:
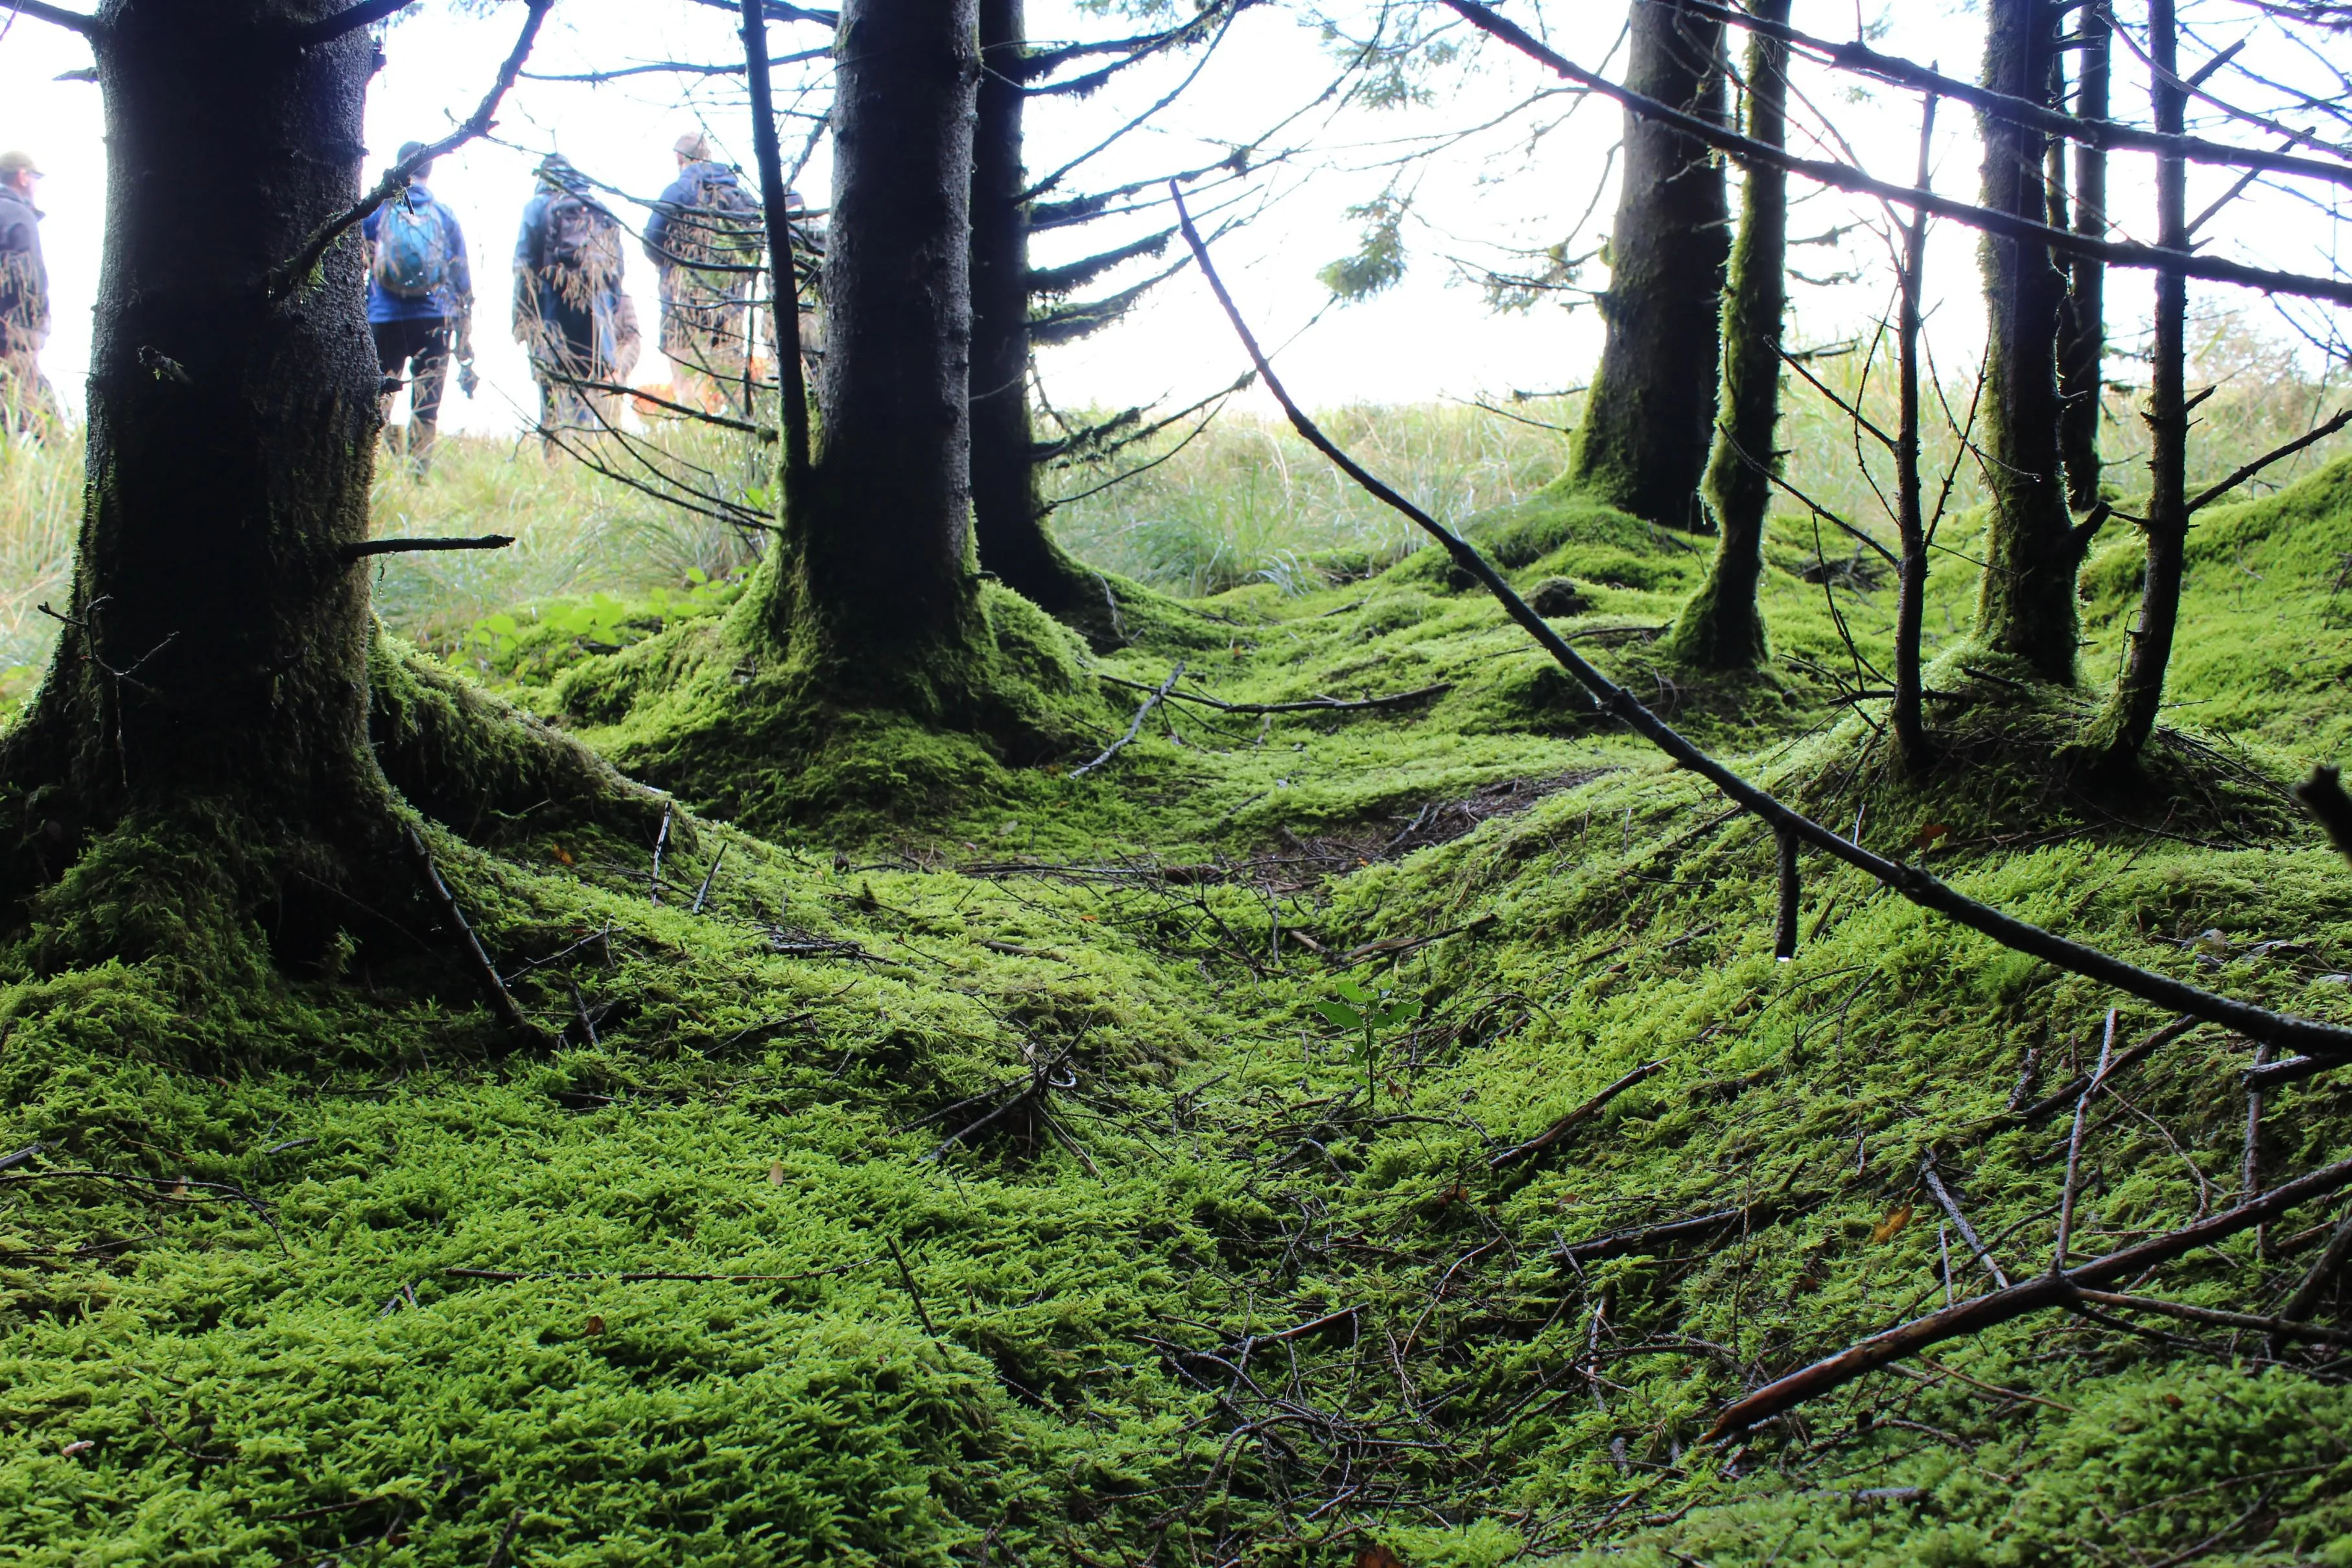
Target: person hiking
[25,402]
[420,306]
[570,312]
[705,240]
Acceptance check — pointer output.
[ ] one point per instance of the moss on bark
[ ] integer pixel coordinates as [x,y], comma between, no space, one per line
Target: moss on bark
[1648,420]
[1722,628]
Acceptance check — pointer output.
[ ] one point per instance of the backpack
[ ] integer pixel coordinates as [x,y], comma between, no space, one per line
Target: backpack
[720,229]
[571,232]
[411,249]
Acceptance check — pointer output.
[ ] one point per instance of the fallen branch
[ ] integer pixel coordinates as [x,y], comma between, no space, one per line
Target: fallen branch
[510,1276]
[1389,947]
[408,547]
[1915,885]
[2278,1327]
[1308,704]
[1115,746]
[1621,1243]
[1559,1129]
[2073,1091]
[2321,1274]
[1960,1222]
[2032,1295]
[485,973]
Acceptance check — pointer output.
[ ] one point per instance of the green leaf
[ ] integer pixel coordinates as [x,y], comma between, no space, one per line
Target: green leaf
[1352,991]
[1341,1013]
[504,624]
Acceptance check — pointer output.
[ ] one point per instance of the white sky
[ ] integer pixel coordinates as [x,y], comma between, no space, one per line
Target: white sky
[1430,337]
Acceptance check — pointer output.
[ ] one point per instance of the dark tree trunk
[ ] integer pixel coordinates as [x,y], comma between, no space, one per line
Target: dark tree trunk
[1723,626]
[1649,418]
[2082,348]
[2025,607]
[880,561]
[215,669]
[1908,711]
[1008,513]
[2130,714]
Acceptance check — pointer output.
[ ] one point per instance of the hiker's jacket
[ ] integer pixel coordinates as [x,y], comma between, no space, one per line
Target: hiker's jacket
[450,299]
[23,277]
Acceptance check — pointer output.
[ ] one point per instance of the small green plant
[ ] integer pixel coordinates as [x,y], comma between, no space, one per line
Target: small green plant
[1369,1010]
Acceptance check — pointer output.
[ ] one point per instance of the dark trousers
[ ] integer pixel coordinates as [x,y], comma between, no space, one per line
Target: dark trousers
[415,353]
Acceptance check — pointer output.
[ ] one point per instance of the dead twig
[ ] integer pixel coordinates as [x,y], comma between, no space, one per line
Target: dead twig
[404,547]
[1960,1222]
[2041,1292]
[2074,1147]
[485,973]
[1560,1129]
[1308,704]
[1136,728]
[2280,1327]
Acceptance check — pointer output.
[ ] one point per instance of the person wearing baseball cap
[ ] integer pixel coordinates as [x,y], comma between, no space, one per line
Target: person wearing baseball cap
[25,400]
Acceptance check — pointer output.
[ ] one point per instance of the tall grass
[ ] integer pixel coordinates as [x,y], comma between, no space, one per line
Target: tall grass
[1194,511]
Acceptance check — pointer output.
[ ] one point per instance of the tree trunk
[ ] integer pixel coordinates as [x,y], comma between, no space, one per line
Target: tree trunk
[1722,627]
[2025,607]
[214,672]
[1008,514]
[879,564]
[1908,711]
[2083,340]
[1649,418]
[2129,718]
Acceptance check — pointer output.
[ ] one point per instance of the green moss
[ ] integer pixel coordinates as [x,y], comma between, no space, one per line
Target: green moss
[831,1056]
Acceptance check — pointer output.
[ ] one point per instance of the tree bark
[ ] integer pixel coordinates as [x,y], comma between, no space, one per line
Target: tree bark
[2129,717]
[2025,607]
[1649,418]
[1723,626]
[2083,332]
[880,561]
[1008,513]
[214,663]
[1908,713]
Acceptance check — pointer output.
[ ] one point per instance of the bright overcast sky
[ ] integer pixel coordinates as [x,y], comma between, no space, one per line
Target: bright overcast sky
[1431,336]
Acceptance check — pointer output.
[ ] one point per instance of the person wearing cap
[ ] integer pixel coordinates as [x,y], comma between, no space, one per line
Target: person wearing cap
[420,306]
[571,313]
[705,240]
[25,400]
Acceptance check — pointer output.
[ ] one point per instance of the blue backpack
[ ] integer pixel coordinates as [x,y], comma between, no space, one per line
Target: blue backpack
[411,249]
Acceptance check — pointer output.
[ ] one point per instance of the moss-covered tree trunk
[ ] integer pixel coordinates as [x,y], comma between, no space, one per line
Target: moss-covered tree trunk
[879,565]
[214,671]
[2082,349]
[1008,513]
[2025,607]
[1723,625]
[2129,717]
[1649,418]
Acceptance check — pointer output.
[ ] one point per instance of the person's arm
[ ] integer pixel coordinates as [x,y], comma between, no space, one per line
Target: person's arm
[461,268]
[526,271]
[658,228]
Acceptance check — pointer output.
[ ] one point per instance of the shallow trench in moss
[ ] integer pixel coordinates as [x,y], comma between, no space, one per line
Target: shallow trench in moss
[937,1182]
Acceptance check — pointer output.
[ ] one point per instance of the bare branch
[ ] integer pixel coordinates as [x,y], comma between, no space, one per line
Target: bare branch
[1912,883]
[326,29]
[41,11]
[2310,437]
[777,11]
[289,277]
[1845,177]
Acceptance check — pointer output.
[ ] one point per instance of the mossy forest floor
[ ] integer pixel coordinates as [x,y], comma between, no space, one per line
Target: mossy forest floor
[965,1171]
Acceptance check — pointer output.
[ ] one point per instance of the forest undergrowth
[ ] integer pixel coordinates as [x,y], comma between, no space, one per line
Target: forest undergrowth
[986,1168]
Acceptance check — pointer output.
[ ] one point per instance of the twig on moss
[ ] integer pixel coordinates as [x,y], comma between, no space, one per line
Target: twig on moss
[1560,1129]
[1951,1208]
[1310,705]
[907,1275]
[2319,1276]
[2322,795]
[1915,885]
[2074,1147]
[485,973]
[404,547]
[2281,1327]
[505,1539]
[2153,1043]
[2043,1291]
[639,1276]
[704,891]
[661,842]
[1159,696]
[1784,930]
